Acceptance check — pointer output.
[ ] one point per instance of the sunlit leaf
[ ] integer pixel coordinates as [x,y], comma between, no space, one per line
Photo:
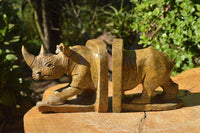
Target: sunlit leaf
[11,57]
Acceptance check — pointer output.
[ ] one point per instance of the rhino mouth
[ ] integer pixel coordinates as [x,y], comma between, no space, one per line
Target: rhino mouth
[38,77]
[45,76]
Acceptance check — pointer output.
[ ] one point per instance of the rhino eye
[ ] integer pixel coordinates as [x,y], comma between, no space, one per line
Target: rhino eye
[49,65]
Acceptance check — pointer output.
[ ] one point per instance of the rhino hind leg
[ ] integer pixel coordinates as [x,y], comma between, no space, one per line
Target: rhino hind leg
[170,90]
[149,86]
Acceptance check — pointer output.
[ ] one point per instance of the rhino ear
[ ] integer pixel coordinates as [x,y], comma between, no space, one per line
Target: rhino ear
[61,48]
[42,50]
[29,58]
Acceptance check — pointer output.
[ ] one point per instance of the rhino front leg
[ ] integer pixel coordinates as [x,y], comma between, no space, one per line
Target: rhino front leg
[59,98]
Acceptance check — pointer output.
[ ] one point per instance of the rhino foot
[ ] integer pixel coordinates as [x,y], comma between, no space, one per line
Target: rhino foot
[165,97]
[141,100]
[52,100]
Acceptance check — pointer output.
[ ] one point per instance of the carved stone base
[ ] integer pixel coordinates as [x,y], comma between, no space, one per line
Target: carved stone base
[155,106]
[66,108]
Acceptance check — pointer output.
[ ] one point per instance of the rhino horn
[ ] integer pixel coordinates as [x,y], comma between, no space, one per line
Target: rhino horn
[43,50]
[29,58]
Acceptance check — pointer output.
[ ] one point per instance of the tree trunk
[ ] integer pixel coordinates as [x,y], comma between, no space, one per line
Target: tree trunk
[47,19]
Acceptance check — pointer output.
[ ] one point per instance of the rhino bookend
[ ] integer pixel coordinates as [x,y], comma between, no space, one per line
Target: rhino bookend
[87,67]
[148,67]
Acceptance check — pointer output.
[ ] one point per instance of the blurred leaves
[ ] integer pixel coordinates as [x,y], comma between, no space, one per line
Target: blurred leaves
[171,26]
[120,22]
[83,20]
[11,84]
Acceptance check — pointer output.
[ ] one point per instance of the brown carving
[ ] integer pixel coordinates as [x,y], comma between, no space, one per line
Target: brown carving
[149,67]
[87,67]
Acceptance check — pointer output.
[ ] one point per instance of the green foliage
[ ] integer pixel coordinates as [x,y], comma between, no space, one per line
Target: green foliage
[13,89]
[172,26]
[83,20]
[86,19]
[32,40]
[120,24]
[169,25]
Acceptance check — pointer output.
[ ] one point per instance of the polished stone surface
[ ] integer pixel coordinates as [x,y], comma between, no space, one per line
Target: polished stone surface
[185,119]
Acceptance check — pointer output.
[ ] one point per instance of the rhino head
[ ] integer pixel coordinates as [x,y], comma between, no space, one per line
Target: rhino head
[47,65]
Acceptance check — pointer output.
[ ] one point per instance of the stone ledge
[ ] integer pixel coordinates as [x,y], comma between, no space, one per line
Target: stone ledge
[185,119]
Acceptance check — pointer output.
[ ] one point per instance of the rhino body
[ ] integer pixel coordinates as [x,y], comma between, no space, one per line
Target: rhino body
[152,69]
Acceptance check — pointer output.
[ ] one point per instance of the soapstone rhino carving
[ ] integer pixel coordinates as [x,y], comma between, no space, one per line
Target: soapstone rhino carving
[152,68]
[148,66]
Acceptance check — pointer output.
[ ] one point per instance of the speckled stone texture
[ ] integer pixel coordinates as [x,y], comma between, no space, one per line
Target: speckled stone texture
[185,119]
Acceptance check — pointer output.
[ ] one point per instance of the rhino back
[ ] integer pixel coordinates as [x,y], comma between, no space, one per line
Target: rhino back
[157,62]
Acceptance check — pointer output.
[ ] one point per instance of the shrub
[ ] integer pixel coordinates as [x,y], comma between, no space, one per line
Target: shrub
[13,89]
[120,25]
[83,20]
[172,26]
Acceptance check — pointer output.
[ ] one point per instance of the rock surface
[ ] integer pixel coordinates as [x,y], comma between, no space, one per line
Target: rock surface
[185,119]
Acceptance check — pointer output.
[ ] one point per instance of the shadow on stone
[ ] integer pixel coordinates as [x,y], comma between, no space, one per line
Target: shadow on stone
[110,104]
[85,98]
[190,99]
